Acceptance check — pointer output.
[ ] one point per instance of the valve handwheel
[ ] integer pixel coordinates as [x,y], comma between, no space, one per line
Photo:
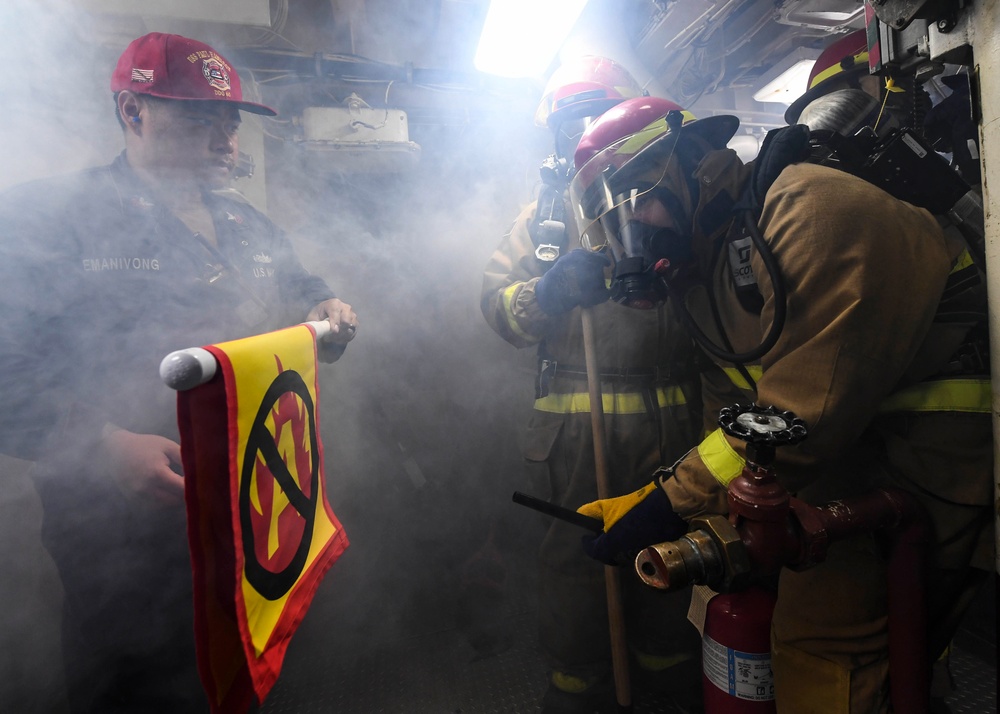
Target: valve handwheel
[763,428]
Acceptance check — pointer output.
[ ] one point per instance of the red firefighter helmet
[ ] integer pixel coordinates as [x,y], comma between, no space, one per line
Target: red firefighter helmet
[634,138]
[844,60]
[629,117]
[624,154]
[584,87]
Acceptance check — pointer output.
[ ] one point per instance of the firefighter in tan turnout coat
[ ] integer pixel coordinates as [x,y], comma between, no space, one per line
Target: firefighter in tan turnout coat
[650,400]
[877,319]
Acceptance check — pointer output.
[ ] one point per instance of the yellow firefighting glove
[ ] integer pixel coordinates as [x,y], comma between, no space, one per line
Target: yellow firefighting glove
[631,523]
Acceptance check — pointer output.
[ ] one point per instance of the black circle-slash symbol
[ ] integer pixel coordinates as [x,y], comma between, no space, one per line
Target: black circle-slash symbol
[273,585]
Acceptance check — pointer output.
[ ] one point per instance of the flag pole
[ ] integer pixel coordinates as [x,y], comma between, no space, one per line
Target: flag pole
[186,369]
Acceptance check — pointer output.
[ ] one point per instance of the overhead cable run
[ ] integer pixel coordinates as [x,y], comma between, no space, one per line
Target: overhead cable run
[285,66]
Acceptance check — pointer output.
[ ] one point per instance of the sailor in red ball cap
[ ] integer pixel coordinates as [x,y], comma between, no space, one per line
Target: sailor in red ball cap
[179,103]
[102,273]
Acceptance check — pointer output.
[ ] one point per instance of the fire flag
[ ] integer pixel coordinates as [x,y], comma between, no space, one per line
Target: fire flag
[260,529]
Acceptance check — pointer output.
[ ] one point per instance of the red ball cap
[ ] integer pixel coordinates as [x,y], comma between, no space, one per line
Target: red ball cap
[175,67]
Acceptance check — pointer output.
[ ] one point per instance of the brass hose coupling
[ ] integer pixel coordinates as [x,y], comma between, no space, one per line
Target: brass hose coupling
[711,553]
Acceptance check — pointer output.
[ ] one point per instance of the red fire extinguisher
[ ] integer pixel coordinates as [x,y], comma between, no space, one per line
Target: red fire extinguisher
[736,653]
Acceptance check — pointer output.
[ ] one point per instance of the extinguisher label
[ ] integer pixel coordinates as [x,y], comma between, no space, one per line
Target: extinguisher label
[744,675]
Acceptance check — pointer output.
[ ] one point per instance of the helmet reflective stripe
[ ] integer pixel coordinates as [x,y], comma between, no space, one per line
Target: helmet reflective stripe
[860,59]
[638,140]
[631,118]
[848,53]
[843,60]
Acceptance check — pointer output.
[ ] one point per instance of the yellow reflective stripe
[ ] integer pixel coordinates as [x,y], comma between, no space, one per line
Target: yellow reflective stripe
[860,58]
[736,378]
[720,458]
[570,683]
[649,132]
[945,395]
[508,302]
[659,663]
[625,403]
[963,261]
[641,138]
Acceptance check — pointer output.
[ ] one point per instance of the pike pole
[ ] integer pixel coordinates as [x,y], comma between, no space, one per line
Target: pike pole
[616,616]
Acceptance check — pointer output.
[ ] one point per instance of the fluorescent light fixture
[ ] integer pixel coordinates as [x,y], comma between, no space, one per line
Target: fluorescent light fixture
[787,80]
[521,37]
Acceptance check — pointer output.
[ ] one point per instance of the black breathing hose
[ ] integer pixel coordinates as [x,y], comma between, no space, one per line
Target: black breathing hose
[780,305]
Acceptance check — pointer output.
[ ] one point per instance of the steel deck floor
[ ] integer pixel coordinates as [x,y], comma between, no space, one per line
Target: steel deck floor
[441,673]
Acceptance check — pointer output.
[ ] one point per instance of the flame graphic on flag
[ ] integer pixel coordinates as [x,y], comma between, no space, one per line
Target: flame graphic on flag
[275,522]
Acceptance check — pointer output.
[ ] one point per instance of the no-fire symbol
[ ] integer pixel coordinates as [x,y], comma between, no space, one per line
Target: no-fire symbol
[274,574]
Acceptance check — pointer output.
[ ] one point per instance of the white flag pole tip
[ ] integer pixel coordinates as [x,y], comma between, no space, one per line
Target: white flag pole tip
[321,328]
[186,369]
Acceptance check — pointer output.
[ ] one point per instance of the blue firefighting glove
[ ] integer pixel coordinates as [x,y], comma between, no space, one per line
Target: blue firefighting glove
[631,523]
[575,279]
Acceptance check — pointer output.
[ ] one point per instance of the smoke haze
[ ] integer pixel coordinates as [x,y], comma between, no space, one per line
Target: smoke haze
[420,418]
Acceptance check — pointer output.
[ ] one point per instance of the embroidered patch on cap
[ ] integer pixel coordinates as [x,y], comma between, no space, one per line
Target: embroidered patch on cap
[216,74]
[142,75]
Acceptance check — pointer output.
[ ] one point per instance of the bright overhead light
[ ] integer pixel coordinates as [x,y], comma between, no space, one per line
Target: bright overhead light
[787,80]
[521,37]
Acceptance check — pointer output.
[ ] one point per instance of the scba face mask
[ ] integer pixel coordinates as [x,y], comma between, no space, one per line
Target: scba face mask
[660,228]
[642,251]
[643,231]
[634,282]
[648,251]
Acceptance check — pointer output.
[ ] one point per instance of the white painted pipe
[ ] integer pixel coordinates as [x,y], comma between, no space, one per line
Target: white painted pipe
[986,53]
[186,369]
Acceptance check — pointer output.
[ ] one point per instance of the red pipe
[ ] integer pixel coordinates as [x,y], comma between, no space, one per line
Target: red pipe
[898,513]
[779,531]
